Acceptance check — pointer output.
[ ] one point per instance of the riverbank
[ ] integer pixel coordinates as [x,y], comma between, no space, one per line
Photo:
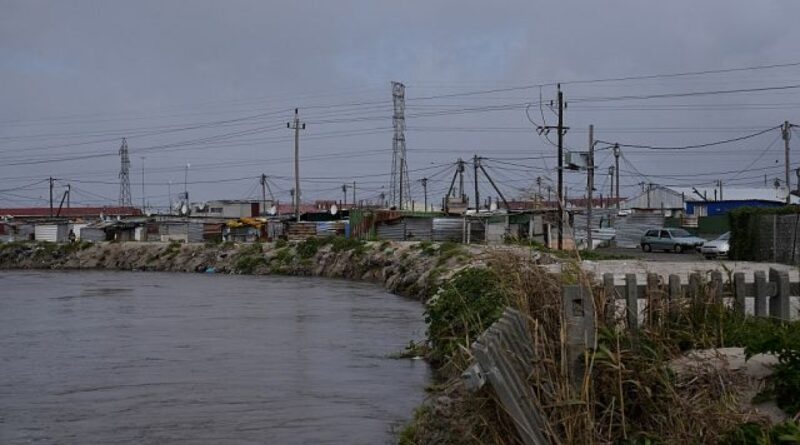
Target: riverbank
[411,269]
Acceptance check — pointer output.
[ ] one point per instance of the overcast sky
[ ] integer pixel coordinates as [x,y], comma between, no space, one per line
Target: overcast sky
[213,83]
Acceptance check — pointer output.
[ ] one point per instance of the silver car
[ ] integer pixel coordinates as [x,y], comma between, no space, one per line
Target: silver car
[674,240]
[718,247]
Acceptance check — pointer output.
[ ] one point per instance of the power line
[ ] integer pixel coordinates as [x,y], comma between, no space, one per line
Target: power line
[688,147]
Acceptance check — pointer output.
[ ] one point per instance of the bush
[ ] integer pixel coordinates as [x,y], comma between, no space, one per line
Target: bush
[247,264]
[468,304]
[309,247]
[340,244]
[784,383]
[755,434]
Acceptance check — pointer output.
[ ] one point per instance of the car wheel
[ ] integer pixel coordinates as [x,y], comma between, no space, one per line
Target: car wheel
[646,247]
[678,248]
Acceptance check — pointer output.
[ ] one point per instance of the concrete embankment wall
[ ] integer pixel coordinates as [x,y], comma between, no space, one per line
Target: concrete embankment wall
[410,269]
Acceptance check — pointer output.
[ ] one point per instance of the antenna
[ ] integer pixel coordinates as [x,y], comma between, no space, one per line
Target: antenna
[399,188]
[124,178]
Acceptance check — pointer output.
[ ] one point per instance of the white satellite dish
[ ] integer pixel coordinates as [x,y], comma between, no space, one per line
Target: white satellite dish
[334,209]
[272,210]
[493,206]
[184,209]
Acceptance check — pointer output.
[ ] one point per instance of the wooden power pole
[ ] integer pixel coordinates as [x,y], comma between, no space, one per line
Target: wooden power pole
[590,189]
[296,126]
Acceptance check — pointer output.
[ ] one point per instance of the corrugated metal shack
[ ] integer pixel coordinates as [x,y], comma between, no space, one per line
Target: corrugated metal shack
[16,231]
[187,232]
[56,232]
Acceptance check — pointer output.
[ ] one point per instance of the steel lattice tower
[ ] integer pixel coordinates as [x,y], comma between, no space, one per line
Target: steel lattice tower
[399,188]
[124,179]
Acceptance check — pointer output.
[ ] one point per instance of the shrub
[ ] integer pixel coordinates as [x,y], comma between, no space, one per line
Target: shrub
[339,244]
[247,264]
[309,247]
[468,304]
[784,383]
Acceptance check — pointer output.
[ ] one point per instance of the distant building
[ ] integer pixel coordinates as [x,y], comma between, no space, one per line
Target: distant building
[72,213]
[700,202]
[231,208]
[713,202]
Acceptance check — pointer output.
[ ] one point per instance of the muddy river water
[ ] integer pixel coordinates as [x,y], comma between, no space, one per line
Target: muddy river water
[155,358]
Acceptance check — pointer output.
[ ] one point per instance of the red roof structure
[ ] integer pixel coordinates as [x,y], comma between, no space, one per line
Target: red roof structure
[72,212]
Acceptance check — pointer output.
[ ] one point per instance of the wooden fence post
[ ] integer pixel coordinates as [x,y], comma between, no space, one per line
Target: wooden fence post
[579,318]
[609,309]
[779,304]
[653,303]
[739,303]
[716,287]
[695,282]
[674,293]
[631,302]
[761,288]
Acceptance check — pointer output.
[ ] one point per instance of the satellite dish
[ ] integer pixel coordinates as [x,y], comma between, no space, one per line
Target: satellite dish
[493,206]
[272,210]
[334,209]
[184,210]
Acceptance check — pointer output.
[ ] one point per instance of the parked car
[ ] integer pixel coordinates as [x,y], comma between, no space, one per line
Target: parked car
[718,247]
[675,240]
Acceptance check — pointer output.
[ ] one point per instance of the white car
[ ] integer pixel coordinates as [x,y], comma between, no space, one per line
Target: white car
[718,247]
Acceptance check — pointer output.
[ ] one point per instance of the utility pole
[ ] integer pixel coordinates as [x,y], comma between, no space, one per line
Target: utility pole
[560,191]
[611,192]
[424,182]
[538,196]
[461,193]
[186,184]
[142,158]
[51,197]
[69,194]
[296,125]
[354,193]
[263,193]
[590,188]
[787,134]
[169,194]
[477,197]
[560,168]
[616,170]
[344,192]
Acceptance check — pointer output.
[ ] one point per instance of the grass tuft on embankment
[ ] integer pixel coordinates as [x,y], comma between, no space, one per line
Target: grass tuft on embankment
[628,392]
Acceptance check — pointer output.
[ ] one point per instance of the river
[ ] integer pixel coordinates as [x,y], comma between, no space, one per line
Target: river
[153,358]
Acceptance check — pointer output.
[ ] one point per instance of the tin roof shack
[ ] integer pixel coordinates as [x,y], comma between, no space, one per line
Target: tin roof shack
[231,208]
[54,232]
[109,231]
[245,230]
[715,202]
[300,230]
[182,231]
[16,231]
[656,199]
[71,213]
